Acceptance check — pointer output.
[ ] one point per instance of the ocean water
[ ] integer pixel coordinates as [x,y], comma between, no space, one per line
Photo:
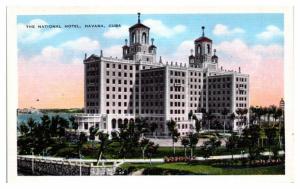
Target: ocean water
[37,116]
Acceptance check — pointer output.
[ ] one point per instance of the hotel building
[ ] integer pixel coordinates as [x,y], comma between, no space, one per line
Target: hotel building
[140,85]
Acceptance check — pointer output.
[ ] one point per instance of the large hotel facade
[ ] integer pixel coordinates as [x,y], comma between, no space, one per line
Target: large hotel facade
[140,85]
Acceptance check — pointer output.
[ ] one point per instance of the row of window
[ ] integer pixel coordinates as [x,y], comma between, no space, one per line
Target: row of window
[219,79]
[120,74]
[119,89]
[156,103]
[241,105]
[176,96]
[195,93]
[125,67]
[88,103]
[196,74]
[177,73]
[152,80]
[228,85]
[177,104]
[119,111]
[113,81]
[177,89]
[177,111]
[241,79]
[241,98]
[218,104]
[218,98]
[119,96]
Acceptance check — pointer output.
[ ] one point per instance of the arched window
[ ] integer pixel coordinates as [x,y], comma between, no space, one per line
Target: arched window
[113,123]
[126,122]
[199,49]
[133,37]
[208,48]
[120,123]
[144,38]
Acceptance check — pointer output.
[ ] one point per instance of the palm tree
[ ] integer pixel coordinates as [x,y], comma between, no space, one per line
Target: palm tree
[224,113]
[81,141]
[153,127]
[271,111]
[209,117]
[185,142]
[31,124]
[232,143]
[271,135]
[23,129]
[92,131]
[74,123]
[232,118]
[174,133]
[193,140]
[104,142]
[144,144]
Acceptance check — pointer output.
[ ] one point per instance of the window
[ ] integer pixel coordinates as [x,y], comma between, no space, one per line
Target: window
[86,126]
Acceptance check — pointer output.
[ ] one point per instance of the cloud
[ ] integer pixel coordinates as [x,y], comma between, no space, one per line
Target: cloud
[113,51]
[32,35]
[160,29]
[181,53]
[264,64]
[83,44]
[117,32]
[69,52]
[270,32]
[221,29]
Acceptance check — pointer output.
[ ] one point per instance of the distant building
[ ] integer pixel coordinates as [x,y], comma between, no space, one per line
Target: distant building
[117,91]
[281,104]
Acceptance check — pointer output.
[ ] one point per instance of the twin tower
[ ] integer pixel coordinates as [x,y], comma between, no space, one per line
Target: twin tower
[140,49]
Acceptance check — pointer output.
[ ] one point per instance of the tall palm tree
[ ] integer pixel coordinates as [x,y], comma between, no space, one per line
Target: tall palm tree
[224,113]
[185,142]
[209,117]
[104,142]
[232,117]
[174,133]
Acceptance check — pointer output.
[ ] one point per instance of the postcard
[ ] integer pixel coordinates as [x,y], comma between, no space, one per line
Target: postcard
[153,92]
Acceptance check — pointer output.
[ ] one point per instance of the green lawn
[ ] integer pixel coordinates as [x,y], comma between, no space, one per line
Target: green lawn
[201,169]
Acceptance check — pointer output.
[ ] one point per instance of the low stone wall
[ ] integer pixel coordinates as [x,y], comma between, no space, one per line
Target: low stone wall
[38,166]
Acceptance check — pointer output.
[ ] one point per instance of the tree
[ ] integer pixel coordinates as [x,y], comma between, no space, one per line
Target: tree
[74,123]
[151,149]
[23,129]
[174,133]
[153,127]
[31,124]
[249,140]
[232,143]
[104,142]
[81,141]
[193,140]
[210,146]
[54,125]
[144,144]
[271,135]
[92,135]
[224,113]
[63,125]
[185,142]
[232,118]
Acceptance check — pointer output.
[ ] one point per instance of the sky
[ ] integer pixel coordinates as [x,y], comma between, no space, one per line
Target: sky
[50,66]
